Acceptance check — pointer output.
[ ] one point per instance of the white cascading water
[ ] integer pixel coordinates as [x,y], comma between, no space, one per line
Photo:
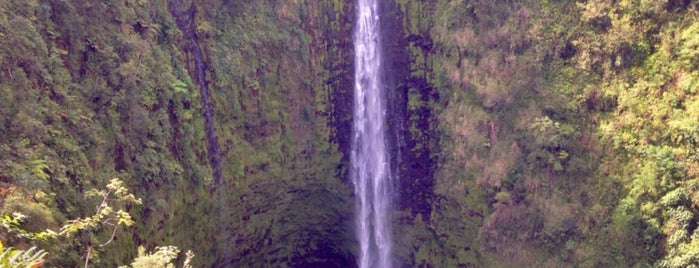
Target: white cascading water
[370,170]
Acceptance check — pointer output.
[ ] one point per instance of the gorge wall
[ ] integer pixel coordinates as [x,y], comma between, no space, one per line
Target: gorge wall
[111,89]
[529,134]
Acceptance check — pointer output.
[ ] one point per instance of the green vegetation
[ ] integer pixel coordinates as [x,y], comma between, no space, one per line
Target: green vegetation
[162,258]
[90,91]
[114,196]
[534,133]
[13,258]
[569,133]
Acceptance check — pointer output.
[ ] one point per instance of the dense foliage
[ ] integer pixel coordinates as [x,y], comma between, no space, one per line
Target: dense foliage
[96,90]
[532,133]
[567,132]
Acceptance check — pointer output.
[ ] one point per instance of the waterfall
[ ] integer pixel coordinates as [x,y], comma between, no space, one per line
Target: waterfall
[185,22]
[370,171]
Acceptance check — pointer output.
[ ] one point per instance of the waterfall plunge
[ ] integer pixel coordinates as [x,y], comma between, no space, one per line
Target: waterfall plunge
[370,170]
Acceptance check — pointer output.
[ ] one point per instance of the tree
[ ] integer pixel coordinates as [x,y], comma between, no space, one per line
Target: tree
[116,195]
[109,213]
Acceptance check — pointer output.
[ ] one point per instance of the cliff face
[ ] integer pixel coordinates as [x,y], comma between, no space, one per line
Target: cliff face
[525,110]
[114,89]
[523,134]
[274,87]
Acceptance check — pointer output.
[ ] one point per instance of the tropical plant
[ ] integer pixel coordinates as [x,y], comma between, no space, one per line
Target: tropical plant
[16,258]
[161,258]
[116,195]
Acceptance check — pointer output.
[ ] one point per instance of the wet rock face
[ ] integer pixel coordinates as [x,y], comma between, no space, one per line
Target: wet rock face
[184,19]
[410,120]
[339,69]
[411,145]
[290,209]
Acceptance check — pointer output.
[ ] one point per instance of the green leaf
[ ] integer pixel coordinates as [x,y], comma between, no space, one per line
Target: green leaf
[38,167]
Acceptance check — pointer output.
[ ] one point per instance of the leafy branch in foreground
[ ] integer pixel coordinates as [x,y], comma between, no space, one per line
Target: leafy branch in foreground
[12,224]
[115,195]
[109,213]
[15,258]
[162,257]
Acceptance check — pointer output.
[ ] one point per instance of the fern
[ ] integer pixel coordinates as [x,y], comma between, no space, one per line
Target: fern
[15,258]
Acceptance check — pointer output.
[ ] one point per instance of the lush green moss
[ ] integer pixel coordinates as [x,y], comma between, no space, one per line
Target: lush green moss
[535,133]
[99,90]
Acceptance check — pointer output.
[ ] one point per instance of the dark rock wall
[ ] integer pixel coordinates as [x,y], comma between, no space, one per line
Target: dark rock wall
[410,127]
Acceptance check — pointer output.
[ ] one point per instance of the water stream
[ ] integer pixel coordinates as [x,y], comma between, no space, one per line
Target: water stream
[370,170]
[185,21]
